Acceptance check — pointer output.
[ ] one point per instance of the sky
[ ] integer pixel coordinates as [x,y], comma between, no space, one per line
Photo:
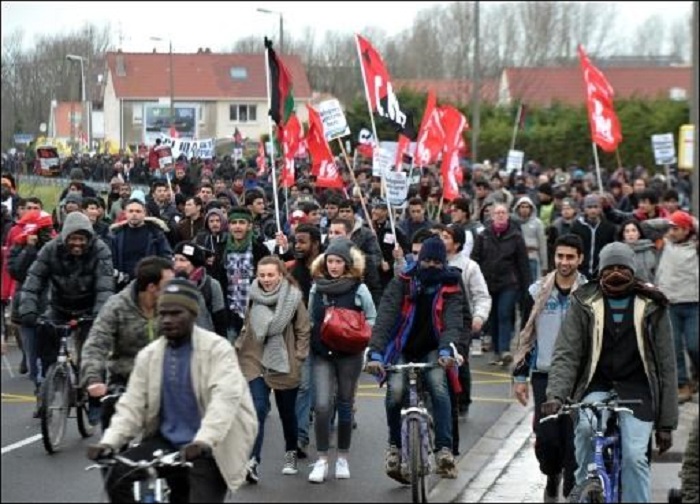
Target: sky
[191,25]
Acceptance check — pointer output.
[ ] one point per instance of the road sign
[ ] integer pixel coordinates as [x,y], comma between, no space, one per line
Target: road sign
[664,149]
[23,138]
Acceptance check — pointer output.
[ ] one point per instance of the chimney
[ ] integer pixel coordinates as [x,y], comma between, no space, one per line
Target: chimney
[199,50]
[207,51]
[120,67]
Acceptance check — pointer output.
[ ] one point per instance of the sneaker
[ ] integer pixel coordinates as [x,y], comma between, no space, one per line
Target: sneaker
[319,473]
[251,472]
[446,464]
[392,465]
[497,360]
[506,359]
[290,463]
[551,491]
[684,394]
[342,469]
[23,369]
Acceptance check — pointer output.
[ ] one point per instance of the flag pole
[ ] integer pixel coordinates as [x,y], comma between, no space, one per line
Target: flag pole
[518,115]
[617,154]
[374,132]
[354,181]
[597,168]
[272,142]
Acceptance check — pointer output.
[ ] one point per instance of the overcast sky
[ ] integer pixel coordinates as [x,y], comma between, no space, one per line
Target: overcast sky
[218,24]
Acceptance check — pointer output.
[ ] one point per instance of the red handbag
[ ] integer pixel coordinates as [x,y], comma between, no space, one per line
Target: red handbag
[345,330]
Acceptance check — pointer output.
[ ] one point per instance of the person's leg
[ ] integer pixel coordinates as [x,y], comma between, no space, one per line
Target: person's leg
[303,404]
[506,321]
[585,426]
[494,325]
[464,399]
[636,471]
[206,482]
[566,431]
[454,414]
[396,386]
[324,383]
[260,393]
[347,371]
[436,382]
[286,403]
[547,433]
[675,311]
[28,337]
[690,333]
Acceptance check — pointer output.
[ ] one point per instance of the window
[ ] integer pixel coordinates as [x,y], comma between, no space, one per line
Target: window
[243,113]
[138,113]
[238,73]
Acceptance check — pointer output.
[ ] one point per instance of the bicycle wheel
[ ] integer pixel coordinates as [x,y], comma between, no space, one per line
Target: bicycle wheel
[55,406]
[81,412]
[590,490]
[416,461]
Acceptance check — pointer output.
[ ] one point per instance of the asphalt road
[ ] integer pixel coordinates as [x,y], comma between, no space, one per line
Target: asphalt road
[29,474]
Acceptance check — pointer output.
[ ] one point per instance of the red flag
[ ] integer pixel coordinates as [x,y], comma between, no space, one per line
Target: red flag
[605,127]
[380,91]
[401,149]
[453,124]
[260,160]
[282,98]
[322,163]
[431,137]
[291,136]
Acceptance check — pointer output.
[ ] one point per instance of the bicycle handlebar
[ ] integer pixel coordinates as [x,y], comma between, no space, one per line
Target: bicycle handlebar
[616,406]
[116,394]
[159,460]
[397,368]
[73,322]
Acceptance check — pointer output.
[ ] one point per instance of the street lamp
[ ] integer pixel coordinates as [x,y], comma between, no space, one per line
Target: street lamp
[172,79]
[268,11]
[83,97]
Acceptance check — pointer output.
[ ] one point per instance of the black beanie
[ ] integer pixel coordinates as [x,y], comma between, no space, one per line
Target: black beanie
[194,253]
[433,249]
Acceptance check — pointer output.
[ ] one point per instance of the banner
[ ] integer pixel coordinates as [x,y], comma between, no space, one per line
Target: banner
[396,187]
[203,148]
[381,162]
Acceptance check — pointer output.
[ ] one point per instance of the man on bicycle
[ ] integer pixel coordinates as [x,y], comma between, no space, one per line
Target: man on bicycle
[125,324]
[76,267]
[186,392]
[421,317]
[554,445]
[617,337]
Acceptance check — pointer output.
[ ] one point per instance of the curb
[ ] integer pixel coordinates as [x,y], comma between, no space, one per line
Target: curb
[501,442]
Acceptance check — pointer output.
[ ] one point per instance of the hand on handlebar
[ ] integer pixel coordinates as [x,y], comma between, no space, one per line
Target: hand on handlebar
[664,441]
[97,390]
[99,451]
[551,407]
[195,450]
[446,362]
[375,368]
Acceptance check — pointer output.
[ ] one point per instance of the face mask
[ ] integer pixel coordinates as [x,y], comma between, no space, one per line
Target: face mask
[429,276]
[616,283]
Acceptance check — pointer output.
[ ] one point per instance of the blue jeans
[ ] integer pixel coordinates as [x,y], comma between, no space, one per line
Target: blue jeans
[285,400]
[635,435]
[684,318]
[534,269]
[305,398]
[502,319]
[31,350]
[436,383]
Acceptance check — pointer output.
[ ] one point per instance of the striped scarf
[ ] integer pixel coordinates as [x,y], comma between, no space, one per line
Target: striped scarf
[240,272]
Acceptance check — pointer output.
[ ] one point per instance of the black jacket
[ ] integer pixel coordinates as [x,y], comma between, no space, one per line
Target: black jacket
[502,259]
[603,233]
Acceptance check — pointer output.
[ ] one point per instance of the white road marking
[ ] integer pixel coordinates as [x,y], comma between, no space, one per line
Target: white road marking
[20,444]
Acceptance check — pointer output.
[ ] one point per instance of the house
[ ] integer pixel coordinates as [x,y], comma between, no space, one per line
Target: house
[66,123]
[545,86]
[213,94]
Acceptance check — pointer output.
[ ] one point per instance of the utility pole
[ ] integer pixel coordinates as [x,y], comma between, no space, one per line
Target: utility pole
[476,89]
[694,114]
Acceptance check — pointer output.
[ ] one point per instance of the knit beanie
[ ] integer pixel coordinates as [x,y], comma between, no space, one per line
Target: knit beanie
[181,292]
[617,254]
[341,247]
[193,252]
[433,249]
[591,200]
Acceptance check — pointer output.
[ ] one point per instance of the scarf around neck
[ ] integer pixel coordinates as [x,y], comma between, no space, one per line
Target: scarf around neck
[232,245]
[335,286]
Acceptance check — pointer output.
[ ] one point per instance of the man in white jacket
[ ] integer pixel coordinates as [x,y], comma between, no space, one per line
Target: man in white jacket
[186,393]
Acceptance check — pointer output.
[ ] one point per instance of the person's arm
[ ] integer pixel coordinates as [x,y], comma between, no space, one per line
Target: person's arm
[367,304]
[219,314]
[542,241]
[19,261]
[104,284]
[479,294]
[35,284]
[386,318]
[98,345]
[662,336]
[452,319]
[302,331]
[568,357]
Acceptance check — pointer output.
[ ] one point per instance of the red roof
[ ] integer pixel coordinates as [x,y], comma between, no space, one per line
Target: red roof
[198,76]
[458,91]
[544,86]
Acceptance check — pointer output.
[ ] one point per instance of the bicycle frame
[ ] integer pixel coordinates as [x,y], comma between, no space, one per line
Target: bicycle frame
[609,480]
[416,410]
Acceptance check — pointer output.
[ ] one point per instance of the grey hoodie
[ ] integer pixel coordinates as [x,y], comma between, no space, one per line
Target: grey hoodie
[677,274]
[76,221]
[645,259]
[532,230]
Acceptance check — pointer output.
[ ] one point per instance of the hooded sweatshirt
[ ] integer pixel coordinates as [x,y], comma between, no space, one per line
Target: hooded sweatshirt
[532,230]
[645,259]
[677,273]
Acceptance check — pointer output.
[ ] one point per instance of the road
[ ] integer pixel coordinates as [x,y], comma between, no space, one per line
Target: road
[29,474]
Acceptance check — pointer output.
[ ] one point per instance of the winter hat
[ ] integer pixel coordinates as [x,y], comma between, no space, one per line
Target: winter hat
[433,249]
[220,213]
[681,219]
[591,200]
[617,254]
[76,222]
[181,292]
[138,194]
[77,174]
[341,247]
[546,188]
[298,217]
[193,252]
[73,198]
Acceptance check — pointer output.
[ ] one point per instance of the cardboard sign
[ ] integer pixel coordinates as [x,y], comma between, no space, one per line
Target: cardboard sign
[203,148]
[382,160]
[165,158]
[515,161]
[664,149]
[334,123]
[396,187]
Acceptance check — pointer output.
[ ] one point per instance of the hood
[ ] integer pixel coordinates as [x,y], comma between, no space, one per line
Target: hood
[76,221]
[222,216]
[642,245]
[527,200]
[318,266]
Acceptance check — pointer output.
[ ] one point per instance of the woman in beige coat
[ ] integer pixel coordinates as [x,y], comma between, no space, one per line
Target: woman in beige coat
[271,349]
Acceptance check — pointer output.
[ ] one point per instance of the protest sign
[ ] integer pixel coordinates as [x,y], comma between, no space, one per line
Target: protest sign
[382,160]
[515,160]
[396,187]
[334,123]
[664,149]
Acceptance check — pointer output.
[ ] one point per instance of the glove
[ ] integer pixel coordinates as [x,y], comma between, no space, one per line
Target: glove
[195,450]
[28,319]
[99,451]
[551,407]
[374,365]
[664,441]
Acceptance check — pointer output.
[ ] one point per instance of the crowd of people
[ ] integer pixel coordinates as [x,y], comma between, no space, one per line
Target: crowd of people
[206,303]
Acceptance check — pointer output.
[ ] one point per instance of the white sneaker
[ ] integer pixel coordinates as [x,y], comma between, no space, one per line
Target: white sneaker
[342,469]
[320,471]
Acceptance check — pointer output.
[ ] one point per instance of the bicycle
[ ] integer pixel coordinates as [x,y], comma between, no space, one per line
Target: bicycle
[60,390]
[153,488]
[416,432]
[603,482]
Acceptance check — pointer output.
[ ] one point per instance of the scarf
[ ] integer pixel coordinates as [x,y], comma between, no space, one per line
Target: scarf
[527,335]
[499,229]
[616,283]
[335,286]
[233,245]
[197,274]
[270,314]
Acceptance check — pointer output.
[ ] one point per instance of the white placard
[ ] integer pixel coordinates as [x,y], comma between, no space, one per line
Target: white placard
[381,161]
[334,123]
[515,161]
[202,148]
[396,187]
[664,149]
[686,147]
